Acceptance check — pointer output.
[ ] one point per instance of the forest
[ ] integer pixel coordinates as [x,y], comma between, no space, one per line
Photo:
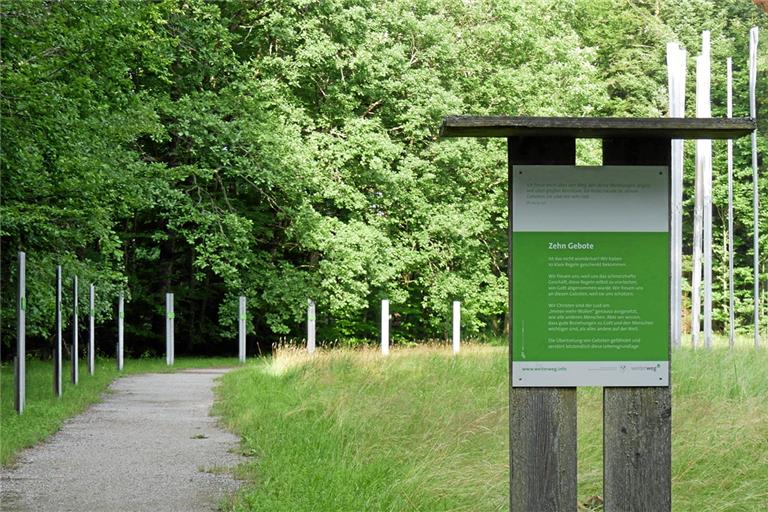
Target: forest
[288,150]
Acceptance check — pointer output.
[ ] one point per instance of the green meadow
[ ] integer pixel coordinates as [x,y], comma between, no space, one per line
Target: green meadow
[423,430]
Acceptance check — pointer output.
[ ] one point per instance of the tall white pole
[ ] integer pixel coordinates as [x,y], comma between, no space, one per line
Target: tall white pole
[21,335]
[120,331]
[385,327]
[676,69]
[169,341]
[755,200]
[91,332]
[456,326]
[704,159]
[241,330]
[729,107]
[75,334]
[57,362]
[311,326]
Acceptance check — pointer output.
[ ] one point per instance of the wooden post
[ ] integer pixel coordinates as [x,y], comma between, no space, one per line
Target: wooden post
[241,330]
[75,333]
[21,335]
[91,330]
[57,360]
[637,426]
[456,326]
[120,331]
[311,326]
[542,421]
[169,334]
[385,327]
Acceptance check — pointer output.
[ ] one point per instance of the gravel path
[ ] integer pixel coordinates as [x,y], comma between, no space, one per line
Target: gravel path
[149,446]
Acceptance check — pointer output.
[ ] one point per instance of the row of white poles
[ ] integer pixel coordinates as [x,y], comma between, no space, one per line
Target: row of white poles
[21,329]
[385,318]
[702,218]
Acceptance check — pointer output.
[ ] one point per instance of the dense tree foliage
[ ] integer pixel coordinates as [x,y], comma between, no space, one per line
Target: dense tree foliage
[287,149]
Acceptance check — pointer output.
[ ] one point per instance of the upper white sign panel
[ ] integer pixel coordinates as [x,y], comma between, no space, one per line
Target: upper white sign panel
[608,198]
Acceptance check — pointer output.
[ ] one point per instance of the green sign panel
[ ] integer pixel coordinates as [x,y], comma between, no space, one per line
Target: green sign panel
[590,276]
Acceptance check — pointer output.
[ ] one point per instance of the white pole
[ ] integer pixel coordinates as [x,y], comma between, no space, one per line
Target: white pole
[21,335]
[169,316]
[91,333]
[456,326]
[704,159]
[241,330]
[729,107]
[311,326]
[57,363]
[676,66]
[75,333]
[385,327]
[120,331]
[753,36]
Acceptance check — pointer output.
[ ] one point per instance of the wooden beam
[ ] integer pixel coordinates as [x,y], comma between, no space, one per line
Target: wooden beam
[596,127]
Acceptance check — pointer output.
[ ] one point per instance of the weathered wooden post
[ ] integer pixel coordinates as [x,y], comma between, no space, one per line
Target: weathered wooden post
[589,300]
[75,333]
[385,327]
[91,330]
[120,331]
[21,335]
[456,326]
[241,330]
[57,359]
[169,334]
[311,326]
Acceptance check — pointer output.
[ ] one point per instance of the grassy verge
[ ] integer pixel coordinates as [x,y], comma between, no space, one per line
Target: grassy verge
[422,430]
[44,413]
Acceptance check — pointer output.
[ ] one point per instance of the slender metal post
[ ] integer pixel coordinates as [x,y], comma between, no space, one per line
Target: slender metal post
[91,330]
[704,162]
[729,107]
[120,331]
[169,317]
[753,37]
[311,326]
[21,335]
[57,358]
[676,66]
[385,327]
[75,333]
[456,326]
[241,330]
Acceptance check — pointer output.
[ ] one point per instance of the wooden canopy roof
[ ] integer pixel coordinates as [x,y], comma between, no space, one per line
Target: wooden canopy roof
[596,127]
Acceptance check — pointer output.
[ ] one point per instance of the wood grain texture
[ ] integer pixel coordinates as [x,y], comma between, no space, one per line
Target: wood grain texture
[596,127]
[542,421]
[637,422]
[637,439]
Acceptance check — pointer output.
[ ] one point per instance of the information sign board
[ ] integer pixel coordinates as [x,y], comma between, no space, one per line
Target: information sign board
[590,276]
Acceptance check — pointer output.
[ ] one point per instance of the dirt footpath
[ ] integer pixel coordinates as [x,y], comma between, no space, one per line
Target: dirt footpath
[149,446]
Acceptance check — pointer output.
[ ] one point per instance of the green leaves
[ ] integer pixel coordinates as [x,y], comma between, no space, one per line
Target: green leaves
[287,150]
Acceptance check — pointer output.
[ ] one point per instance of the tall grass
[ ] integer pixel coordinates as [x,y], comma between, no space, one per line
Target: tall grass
[44,413]
[423,430]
